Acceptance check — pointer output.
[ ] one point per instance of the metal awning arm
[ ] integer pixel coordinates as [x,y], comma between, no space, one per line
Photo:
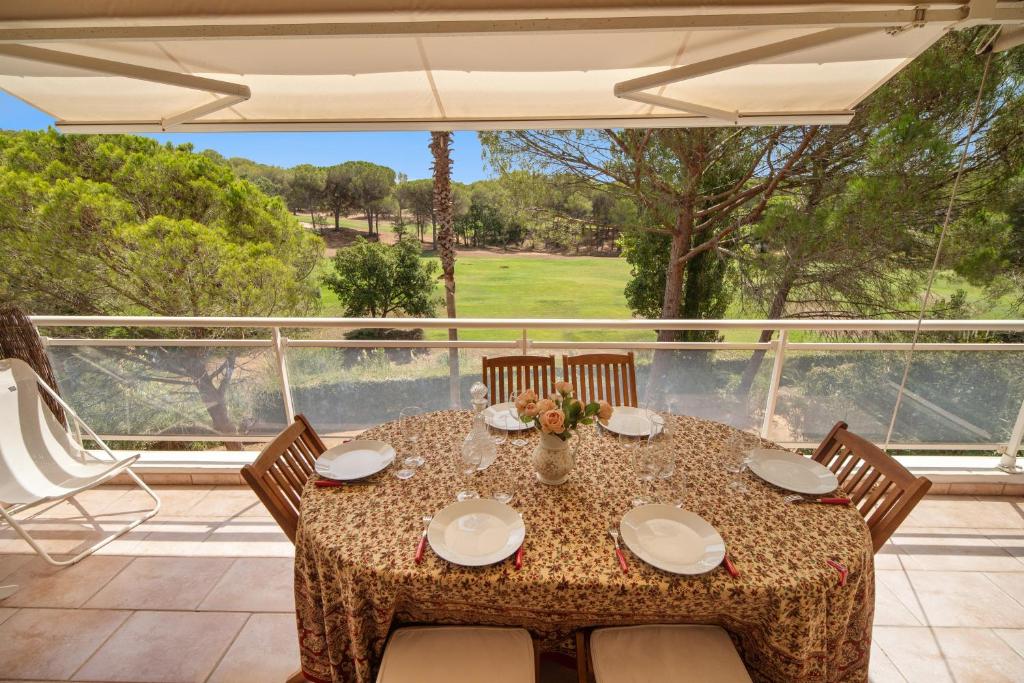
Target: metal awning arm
[230,93]
[634,89]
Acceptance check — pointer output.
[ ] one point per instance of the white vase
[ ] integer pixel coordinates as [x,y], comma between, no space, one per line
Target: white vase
[553,460]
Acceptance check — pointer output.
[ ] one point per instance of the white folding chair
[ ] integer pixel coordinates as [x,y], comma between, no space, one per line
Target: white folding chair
[41,462]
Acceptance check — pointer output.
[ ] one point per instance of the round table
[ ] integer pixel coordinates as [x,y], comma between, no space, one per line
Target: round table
[355,578]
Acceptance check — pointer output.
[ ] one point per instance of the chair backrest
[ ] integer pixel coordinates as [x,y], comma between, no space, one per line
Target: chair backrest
[281,471]
[514,373]
[882,489]
[37,454]
[602,377]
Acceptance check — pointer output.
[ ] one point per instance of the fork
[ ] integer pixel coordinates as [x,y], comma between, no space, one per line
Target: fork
[797,498]
[614,533]
[422,545]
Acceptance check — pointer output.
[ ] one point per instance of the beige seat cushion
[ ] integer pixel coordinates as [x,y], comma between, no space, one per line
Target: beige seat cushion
[666,654]
[453,654]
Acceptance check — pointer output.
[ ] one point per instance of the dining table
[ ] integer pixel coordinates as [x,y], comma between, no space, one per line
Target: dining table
[791,614]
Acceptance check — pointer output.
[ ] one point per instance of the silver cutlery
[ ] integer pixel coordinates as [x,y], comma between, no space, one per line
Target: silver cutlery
[422,545]
[614,533]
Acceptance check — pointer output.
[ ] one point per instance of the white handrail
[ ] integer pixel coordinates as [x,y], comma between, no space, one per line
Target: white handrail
[279,344]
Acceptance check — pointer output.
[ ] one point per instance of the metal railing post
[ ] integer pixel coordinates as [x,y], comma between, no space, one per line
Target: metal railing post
[282,372]
[773,384]
[1008,461]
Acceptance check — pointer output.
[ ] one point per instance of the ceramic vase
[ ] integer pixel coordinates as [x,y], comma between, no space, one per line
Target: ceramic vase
[553,459]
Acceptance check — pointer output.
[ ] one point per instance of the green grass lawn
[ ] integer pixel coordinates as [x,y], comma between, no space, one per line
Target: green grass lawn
[591,287]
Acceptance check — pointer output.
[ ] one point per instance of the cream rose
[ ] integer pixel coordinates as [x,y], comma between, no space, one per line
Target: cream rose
[552,422]
[563,387]
[604,411]
[544,405]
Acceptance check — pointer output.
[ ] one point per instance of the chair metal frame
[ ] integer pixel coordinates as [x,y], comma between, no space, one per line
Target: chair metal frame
[118,466]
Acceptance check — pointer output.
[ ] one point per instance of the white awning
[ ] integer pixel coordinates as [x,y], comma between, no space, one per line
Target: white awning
[265,65]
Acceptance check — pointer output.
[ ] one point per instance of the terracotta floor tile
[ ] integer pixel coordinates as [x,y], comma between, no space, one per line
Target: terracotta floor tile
[53,643]
[164,647]
[967,511]
[10,563]
[162,583]
[175,501]
[963,655]
[43,585]
[898,585]
[6,613]
[964,599]
[882,669]
[1013,637]
[254,585]
[890,611]
[1011,582]
[951,549]
[249,537]
[86,504]
[228,502]
[266,651]
[889,557]
[176,536]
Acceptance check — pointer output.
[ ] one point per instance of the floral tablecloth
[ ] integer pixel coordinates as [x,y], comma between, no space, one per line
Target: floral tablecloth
[355,578]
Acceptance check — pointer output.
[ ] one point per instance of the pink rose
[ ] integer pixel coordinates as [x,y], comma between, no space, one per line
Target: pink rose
[530,409]
[604,411]
[552,422]
[544,405]
[563,388]
[525,397]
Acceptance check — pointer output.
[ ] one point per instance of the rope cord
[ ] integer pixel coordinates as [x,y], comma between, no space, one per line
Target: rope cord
[938,251]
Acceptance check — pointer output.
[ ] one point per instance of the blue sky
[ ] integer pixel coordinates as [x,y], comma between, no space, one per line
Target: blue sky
[405,152]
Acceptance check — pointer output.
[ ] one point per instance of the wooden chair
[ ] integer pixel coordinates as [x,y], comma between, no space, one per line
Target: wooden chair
[515,373]
[882,489]
[602,376]
[281,470]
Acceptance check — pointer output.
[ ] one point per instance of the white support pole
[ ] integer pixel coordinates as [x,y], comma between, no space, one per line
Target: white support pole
[524,343]
[1008,461]
[773,385]
[282,371]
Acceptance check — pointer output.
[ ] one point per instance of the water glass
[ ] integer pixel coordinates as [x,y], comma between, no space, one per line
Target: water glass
[736,456]
[645,464]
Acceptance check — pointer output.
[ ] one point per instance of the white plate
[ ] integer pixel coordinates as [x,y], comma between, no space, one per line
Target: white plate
[792,471]
[501,416]
[675,540]
[476,532]
[629,421]
[355,460]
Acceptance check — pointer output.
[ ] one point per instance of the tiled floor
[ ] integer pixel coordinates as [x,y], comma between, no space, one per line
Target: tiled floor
[203,593]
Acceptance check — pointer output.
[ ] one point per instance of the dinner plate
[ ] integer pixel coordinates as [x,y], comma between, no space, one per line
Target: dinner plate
[672,539]
[629,421]
[501,416]
[355,460]
[791,471]
[476,532]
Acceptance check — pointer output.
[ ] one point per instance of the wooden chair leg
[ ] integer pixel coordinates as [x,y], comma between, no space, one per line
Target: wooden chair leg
[297,677]
[582,657]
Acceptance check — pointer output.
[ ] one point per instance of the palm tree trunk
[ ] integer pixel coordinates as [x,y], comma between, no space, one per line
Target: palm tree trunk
[440,147]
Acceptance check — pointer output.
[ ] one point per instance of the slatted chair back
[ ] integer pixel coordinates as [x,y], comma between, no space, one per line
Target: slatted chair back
[281,471]
[883,490]
[514,373]
[602,377]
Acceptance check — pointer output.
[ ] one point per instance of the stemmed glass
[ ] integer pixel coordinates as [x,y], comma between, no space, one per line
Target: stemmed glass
[409,429]
[663,443]
[518,441]
[467,460]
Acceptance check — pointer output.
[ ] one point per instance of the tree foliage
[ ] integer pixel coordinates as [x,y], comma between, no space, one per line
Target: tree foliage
[376,280]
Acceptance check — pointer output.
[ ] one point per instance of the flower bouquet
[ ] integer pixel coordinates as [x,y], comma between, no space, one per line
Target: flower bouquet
[561,413]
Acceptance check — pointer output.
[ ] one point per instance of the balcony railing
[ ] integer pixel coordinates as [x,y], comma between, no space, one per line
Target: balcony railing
[242,379]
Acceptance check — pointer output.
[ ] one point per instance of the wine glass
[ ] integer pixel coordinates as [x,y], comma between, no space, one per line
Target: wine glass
[518,441]
[467,460]
[408,421]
